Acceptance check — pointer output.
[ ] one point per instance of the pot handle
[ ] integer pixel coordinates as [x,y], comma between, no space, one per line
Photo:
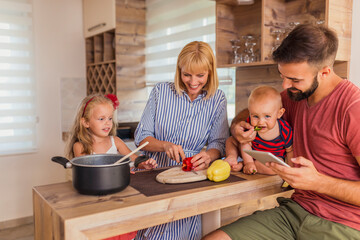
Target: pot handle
[63,161]
[140,159]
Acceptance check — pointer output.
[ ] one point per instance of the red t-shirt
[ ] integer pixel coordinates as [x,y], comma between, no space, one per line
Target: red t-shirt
[328,134]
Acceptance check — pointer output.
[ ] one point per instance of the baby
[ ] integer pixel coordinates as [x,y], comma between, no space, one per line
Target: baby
[273,133]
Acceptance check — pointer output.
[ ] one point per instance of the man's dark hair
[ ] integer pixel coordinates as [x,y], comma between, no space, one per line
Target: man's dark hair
[315,45]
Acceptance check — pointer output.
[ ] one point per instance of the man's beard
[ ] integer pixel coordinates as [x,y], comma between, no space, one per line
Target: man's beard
[300,95]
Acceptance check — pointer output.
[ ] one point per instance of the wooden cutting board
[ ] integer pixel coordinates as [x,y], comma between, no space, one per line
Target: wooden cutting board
[177,175]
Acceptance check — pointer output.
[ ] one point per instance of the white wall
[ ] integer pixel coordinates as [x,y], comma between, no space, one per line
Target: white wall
[355,46]
[59,52]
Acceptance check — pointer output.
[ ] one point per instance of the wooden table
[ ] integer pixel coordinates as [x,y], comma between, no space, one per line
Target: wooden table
[61,213]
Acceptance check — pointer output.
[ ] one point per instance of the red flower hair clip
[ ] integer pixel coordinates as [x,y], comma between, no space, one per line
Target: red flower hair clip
[114,99]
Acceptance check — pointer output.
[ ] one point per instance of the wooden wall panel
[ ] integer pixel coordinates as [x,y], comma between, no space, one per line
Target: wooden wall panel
[130,43]
[130,59]
[340,19]
[130,83]
[274,13]
[342,69]
[130,28]
[225,31]
[138,4]
[132,104]
[250,78]
[304,11]
[131,71]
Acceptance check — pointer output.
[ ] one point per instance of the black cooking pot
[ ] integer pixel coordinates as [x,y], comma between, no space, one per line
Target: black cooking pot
[96,174]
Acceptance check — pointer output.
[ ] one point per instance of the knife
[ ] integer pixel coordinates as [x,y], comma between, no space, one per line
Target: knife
[194,172]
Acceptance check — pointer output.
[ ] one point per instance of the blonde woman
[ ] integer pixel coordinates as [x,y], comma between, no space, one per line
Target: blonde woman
[179,119]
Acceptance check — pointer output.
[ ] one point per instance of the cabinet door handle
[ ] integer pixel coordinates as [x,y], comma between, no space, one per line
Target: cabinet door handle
[97,26]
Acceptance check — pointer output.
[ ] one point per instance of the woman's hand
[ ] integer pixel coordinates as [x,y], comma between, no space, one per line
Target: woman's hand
[243,132]
[148,164]
[201,161]
[174,151]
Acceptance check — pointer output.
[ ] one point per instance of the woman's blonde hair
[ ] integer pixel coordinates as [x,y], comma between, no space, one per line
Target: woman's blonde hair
[81,134]
[196,57]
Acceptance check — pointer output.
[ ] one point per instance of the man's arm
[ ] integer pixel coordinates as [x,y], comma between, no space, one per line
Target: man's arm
[344,190]
[306,177]
[241,130]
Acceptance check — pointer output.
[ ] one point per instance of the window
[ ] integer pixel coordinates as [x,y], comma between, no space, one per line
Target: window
[17,84]
[170,26]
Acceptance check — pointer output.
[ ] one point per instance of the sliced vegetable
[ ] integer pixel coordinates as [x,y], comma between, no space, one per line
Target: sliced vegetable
[285,184]
[257,128]
[187,164]
[218,171]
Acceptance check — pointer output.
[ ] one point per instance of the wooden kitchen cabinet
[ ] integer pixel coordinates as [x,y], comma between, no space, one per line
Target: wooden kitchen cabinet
[115,54]
[260,19]
[99,16]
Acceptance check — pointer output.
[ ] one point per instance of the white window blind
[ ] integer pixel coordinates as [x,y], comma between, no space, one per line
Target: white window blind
[170,25]
[17,84]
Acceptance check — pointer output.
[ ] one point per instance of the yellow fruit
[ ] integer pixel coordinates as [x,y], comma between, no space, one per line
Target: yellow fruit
[218,171]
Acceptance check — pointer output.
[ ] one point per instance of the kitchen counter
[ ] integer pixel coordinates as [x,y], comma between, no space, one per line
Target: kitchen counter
[61,213]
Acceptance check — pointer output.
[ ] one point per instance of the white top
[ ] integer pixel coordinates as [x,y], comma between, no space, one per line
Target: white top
[113,148]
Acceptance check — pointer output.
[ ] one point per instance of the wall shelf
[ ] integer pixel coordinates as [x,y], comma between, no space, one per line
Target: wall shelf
[260,19]
[264,16]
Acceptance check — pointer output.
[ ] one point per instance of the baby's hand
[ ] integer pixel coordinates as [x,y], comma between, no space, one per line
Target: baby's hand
[148,164]
[231,160]
[249,168]
[237,167]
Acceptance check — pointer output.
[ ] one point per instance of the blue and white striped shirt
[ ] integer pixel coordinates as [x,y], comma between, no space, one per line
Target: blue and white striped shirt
[174,118]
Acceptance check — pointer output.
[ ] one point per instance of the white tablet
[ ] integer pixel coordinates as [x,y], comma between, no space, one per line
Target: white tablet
[265,157]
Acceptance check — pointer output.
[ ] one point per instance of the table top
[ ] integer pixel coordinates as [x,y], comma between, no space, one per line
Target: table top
[130,210]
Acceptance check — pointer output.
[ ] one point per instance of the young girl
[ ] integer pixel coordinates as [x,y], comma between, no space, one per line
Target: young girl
[94,132]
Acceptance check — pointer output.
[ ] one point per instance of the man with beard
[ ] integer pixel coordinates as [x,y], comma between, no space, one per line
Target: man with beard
[324,111]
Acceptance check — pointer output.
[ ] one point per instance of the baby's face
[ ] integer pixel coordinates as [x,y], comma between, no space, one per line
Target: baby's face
[264,114]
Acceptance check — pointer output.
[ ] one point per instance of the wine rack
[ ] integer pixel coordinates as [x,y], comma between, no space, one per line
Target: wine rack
[100,64]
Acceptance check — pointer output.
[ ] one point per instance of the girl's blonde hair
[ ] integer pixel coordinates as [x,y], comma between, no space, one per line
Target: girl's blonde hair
[81,134]
[196,57]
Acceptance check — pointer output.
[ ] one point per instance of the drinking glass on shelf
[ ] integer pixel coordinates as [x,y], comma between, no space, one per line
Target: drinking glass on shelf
[235,44]
[277,33]
[248,54]
[250,51]
[320,22]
